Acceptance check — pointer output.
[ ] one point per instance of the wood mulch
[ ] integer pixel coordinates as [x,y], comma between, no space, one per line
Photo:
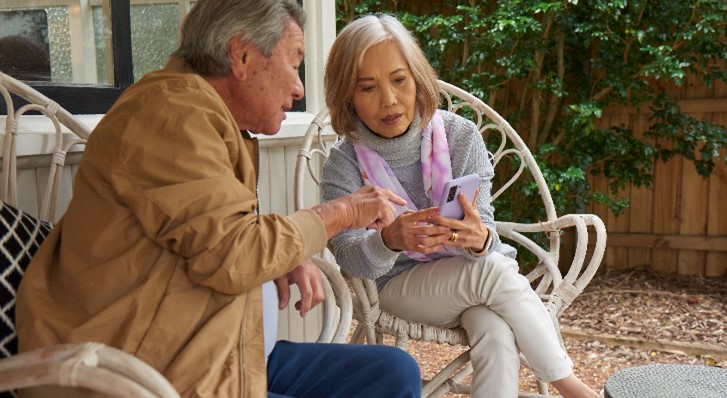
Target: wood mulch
[628,318]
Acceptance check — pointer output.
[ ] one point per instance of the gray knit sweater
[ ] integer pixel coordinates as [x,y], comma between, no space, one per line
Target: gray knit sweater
[362,252]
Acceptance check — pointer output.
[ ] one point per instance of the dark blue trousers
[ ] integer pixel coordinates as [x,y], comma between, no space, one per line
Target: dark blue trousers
[313,370]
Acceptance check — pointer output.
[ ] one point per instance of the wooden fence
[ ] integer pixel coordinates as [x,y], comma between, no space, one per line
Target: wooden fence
[678,225]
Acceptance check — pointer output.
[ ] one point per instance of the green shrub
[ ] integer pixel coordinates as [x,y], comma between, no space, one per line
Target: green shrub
[552,67]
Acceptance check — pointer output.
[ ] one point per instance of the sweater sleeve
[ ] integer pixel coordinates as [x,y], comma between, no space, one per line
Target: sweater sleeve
[359,252]
[469,155]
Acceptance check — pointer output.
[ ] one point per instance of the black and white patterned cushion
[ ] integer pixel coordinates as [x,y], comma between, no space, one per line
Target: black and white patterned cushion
[20,237]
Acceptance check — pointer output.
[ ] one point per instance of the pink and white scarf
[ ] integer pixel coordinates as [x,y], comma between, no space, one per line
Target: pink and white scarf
[436,171]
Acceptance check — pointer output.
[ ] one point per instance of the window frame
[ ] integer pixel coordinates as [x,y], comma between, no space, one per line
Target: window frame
[96,98]
[79,98]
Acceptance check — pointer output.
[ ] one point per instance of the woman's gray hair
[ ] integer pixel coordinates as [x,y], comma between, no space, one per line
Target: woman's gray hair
[210,24]
[346,57]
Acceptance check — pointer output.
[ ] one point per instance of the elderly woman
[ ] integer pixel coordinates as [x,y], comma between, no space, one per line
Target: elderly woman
[383,98]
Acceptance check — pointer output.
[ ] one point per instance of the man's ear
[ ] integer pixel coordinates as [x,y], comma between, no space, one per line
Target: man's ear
[240,54]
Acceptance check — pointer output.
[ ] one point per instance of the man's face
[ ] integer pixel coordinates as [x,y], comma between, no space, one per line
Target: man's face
[271,84]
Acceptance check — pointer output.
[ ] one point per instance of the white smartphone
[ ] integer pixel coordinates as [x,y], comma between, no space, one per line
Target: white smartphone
[449,205]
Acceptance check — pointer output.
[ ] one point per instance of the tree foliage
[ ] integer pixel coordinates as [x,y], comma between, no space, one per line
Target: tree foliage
[551,68]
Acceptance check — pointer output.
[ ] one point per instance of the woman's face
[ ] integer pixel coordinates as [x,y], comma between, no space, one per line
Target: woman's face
[385,93]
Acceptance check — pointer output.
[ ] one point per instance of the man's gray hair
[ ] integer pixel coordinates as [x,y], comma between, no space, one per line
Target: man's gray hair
[210,24]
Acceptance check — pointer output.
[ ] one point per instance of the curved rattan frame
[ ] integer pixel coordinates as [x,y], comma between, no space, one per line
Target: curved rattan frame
[556,290]
[60,118]
[92,366]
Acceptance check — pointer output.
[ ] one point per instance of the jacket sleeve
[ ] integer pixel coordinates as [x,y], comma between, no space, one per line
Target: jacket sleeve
[184,175]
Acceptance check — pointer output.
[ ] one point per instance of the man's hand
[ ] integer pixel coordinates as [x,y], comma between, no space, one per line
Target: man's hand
[369,207]
[309,280]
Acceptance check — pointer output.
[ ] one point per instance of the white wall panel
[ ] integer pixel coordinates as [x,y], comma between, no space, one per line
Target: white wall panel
[275,189]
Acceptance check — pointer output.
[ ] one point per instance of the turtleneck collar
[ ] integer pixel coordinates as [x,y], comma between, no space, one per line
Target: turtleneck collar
[404,149]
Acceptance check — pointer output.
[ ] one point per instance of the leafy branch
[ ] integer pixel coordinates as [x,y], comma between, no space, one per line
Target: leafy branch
[553,67]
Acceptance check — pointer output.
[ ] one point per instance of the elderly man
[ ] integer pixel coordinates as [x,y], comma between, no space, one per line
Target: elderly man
[161,252]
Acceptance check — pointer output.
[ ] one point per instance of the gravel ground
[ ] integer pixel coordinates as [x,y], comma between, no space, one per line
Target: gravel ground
[625,319]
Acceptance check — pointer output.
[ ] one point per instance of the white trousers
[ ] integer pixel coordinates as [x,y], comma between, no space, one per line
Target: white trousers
[497,307]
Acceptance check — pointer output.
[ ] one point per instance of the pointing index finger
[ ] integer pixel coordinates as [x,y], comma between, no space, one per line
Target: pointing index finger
[394,198]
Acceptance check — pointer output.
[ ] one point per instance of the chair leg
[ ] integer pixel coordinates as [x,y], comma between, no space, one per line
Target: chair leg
[358,334]
[543,388]
[401,340]
[452,374]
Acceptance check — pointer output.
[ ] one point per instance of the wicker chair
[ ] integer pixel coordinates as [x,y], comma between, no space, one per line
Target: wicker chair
[556,290]
[89,365]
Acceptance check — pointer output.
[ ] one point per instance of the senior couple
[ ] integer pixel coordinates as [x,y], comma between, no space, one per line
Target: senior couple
[162,252]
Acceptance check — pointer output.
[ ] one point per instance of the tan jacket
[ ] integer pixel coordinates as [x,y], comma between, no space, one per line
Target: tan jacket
[161,252]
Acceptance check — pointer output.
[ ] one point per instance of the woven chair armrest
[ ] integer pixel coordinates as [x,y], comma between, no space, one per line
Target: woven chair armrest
[367,309]
[366,293]
[547,261]
[567,288]
[578,277]
[34,97]
[89,365]
[336,295]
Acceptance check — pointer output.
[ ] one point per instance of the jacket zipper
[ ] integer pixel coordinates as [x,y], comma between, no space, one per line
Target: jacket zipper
[242,350]
[256,154]
[256,151]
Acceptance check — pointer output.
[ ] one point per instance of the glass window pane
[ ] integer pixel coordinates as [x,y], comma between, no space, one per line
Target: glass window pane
[60,55]
[154,35]
[102,45]
[24,49]
[73,36]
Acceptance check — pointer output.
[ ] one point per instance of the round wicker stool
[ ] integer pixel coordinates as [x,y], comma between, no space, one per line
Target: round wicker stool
[667,380]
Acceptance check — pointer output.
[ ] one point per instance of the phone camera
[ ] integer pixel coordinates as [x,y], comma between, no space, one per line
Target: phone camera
[451,193]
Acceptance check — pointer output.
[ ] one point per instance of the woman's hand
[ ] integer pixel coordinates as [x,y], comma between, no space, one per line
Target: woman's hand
[468,233]
[414,231]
